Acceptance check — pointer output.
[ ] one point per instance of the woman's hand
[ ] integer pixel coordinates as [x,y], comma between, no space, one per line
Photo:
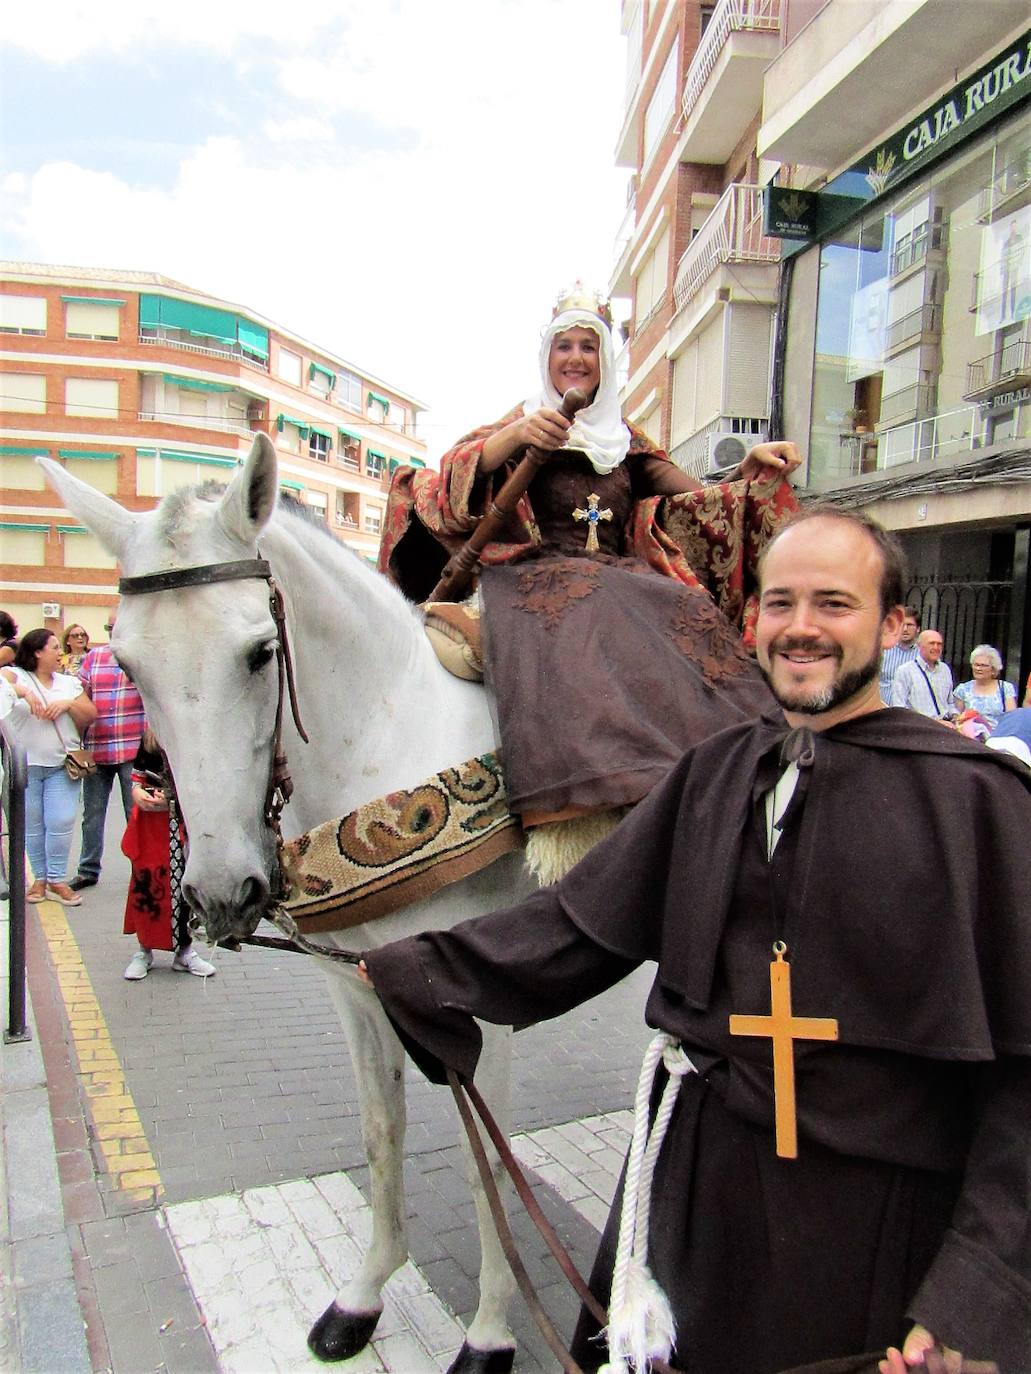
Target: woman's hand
[918,1344]
[546,429]
[55,709]
[766,461]
[147,799]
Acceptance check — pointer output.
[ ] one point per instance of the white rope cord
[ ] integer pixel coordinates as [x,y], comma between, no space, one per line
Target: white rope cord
[640,1325]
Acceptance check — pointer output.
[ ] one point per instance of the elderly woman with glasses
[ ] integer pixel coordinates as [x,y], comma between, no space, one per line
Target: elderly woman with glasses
[986,693]
[75,646]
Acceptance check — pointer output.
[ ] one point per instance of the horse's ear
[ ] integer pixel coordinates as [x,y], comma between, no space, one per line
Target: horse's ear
[110,522]
[250,498]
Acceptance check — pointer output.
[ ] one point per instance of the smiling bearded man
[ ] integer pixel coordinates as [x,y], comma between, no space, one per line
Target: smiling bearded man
[849,1177]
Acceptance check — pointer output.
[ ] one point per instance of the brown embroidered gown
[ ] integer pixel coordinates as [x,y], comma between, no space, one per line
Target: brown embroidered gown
[603,667]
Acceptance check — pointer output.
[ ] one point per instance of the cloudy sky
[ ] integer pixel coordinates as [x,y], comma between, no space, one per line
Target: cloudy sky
[408,183]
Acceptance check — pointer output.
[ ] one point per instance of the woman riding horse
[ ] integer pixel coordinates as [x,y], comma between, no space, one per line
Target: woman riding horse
[612,603]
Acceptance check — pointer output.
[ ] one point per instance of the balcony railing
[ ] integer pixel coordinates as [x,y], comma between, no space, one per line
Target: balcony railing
[1013,360]
[730,16]
[914,401]
[925,320]
[164,417]
[163,338]
[626,229]
[732,233]
[1011,180]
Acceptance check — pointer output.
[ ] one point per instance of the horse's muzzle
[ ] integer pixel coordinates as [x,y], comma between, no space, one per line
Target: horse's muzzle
[232,918]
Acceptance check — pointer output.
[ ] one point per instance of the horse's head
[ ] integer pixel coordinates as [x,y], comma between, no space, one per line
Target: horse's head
[203,658]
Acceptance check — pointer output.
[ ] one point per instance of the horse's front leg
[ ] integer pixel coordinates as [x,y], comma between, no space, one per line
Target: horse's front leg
[489,1346]
[347,1324]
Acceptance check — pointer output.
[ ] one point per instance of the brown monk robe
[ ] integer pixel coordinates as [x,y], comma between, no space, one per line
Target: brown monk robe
[909,1199]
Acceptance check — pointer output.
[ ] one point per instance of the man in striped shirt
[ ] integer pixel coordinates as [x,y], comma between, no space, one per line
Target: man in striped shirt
[113,738]
[903,652]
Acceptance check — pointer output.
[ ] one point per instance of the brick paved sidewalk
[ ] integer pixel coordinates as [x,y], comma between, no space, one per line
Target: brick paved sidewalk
[175,1091]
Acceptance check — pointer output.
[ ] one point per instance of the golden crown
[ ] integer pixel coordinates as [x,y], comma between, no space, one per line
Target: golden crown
[580,297]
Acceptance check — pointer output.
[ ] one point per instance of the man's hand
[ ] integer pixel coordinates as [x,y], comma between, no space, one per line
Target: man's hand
[766,461]
[919,1348]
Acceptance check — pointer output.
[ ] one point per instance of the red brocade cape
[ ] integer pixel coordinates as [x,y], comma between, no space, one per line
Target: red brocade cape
[148,903]
[710,539]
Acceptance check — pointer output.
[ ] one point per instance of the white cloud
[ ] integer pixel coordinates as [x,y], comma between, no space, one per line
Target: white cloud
[433,262]
[301,130]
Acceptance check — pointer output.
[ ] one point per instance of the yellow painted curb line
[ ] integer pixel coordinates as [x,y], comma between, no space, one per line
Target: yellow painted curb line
[124,1151]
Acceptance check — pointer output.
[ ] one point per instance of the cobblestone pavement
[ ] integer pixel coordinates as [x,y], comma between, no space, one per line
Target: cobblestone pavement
[213,1180]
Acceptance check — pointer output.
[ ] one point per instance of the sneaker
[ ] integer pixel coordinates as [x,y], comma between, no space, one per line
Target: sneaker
[189,961]
[139,965]
[82,880]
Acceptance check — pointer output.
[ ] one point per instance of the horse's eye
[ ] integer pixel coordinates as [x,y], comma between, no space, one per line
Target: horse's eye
[259,656]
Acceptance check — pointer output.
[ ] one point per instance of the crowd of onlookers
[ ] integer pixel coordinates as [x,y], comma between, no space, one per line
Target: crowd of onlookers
[82,724]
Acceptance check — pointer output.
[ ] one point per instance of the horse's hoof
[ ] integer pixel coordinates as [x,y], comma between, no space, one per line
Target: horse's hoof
[471,1361]
[337,1335]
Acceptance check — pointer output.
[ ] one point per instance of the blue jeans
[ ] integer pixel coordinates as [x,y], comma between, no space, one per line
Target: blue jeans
[96,793]
[50,802]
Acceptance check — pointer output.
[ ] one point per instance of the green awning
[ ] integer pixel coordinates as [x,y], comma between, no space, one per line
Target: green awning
[302,425]
[72,529]
[169,455]
[408,462]
[20,451]
[375,396]
[25,529]
[350,433]
[331,377]
[375,453]
[93,456]
[292,486]
[326,433]
[253,338]
[93,300]
[414,462]
[203,321]
[192,384]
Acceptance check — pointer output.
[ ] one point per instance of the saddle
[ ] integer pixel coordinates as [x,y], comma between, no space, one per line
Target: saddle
[453,629]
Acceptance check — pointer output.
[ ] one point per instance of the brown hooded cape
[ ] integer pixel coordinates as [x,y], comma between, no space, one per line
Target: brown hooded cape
[902,886]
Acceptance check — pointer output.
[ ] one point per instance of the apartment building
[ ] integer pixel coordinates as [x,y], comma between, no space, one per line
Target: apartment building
[141,385]
[691,252]
[900,136]
[828,237]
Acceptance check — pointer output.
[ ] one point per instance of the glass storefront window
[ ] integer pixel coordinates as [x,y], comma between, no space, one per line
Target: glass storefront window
[923,333]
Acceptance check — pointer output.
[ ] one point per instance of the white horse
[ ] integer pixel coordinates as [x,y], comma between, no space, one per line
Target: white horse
[381,714]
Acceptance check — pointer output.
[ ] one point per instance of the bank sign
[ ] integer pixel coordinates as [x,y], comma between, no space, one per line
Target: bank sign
[1003,81]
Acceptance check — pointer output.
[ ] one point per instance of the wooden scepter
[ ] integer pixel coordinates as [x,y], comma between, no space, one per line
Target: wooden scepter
[460,568]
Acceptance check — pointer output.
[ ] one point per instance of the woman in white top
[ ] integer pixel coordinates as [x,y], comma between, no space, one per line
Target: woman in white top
[51,711]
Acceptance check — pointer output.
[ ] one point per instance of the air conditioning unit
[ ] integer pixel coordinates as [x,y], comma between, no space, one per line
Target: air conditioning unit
[256,411]
[725,450]
[51,610]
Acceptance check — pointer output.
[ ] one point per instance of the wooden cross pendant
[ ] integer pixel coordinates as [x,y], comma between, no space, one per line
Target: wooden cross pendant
[784,1029]
[592,515]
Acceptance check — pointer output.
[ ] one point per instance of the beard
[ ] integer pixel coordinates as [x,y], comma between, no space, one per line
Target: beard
[810,701]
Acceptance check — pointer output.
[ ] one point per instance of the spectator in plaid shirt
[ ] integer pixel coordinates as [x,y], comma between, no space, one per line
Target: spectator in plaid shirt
[114,739]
